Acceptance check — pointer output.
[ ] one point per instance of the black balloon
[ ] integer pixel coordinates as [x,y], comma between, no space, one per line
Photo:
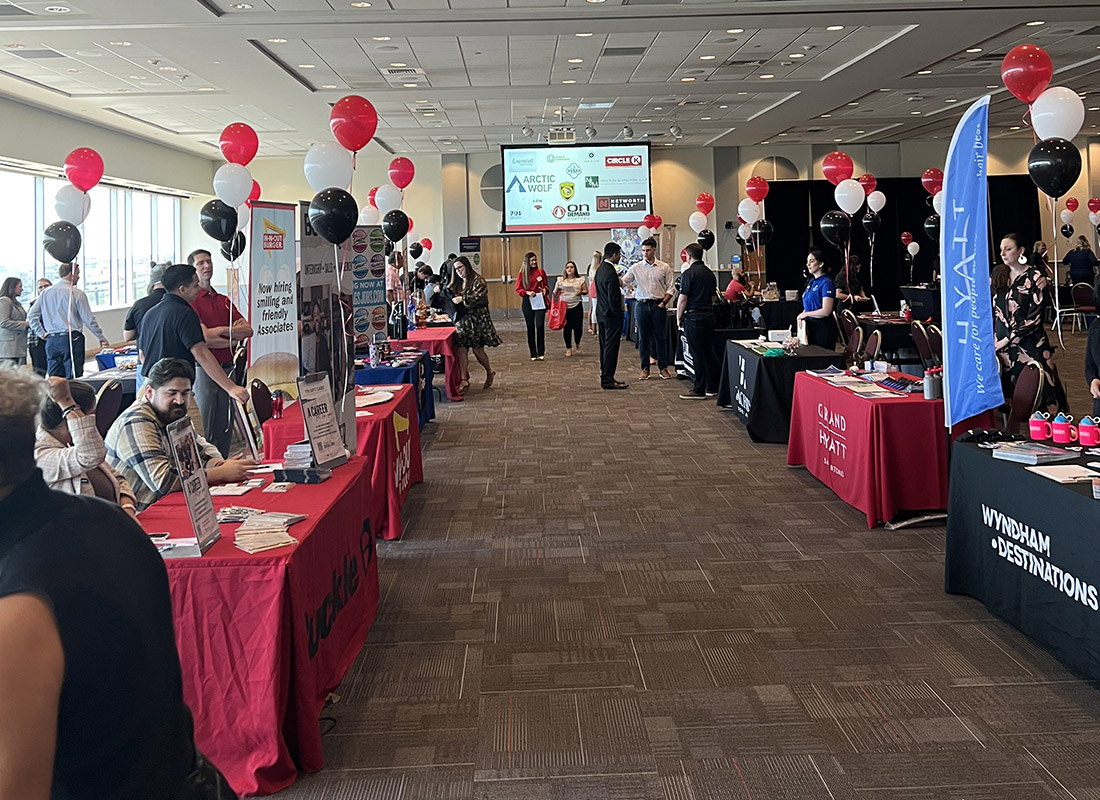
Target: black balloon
[1067,231]
[871,222]
[705,239]
[389,247]
[333,214]
[62,241]
[395,225]
[218,220]
[762,231]
[836,227]
[233,249]
[750,247]
[1054,166]
[740,241]
[932,227]
[416,249]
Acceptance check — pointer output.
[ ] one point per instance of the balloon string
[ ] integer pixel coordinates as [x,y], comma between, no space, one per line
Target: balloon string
[1057,301]
[346,374]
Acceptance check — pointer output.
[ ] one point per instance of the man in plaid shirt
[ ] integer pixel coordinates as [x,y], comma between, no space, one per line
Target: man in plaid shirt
[137,443]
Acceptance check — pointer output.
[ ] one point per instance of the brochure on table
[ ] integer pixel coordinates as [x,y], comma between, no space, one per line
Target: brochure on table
[196,491]
[322,428]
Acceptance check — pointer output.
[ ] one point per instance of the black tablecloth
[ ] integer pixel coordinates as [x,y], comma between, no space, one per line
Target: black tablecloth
[780,313]
[924,300]
[761,389]
[685,358]
[895,335]
[994,556]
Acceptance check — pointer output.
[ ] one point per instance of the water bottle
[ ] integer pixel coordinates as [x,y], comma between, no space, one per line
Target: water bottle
[929,385]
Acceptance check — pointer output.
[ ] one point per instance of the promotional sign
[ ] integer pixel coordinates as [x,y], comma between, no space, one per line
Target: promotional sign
[196,491]
[402,473]
[273,354]
[368,289]
[470,246]
[319,413]
[630,242]
[971,374]
[576,187]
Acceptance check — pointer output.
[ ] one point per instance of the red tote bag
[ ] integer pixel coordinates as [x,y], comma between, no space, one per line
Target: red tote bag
[557,315]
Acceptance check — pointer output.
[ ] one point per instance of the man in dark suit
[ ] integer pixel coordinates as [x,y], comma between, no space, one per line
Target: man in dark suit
[609,315]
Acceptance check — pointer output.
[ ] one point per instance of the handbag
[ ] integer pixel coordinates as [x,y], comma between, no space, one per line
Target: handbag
[557,315]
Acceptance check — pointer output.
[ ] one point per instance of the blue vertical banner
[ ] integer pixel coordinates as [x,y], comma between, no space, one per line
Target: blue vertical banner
[971,374]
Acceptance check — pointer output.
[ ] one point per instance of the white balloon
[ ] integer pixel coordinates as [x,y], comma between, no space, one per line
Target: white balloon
[1094,218]
[424,256]
[369,215]
[697,221]
[328,166]
[876,201]
[937,202]
[1057,113]
[745,231]
[913,248]
[748,210]
[643,232]
[849,196]
[1066,216]
[388,198]
[232,184]
[71,204]
[244,213]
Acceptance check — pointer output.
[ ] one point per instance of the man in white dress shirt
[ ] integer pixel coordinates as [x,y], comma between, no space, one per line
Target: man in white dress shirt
[653,282]
[59,317]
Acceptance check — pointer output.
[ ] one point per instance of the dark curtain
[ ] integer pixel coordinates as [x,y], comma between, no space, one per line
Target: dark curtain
[1013,208]
[787,209]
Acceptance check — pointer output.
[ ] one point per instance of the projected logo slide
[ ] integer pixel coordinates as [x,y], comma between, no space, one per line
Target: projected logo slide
[583,187]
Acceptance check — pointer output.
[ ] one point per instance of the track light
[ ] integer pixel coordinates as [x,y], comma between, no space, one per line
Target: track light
[628,132]
[527,131]
[676,130]
[590,131]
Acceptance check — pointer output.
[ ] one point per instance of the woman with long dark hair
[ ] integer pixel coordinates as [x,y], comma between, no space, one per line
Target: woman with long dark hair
[531,283]
[1019,291]
[818,299]
[474,328]
[571,287]
[13,324]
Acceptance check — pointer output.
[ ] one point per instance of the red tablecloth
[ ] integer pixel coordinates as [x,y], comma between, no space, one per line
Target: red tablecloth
[438,342]
[264,638]
[878,455]
[390,443]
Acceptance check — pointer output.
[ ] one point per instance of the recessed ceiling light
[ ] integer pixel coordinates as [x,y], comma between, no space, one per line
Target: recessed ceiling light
[61,9]
[75,71]
[1034,24]
[206,88]
[765,143]
[1014,128]
[583,35]
[381,38]
[826,116]
[854,103]
[430,114]
[735,30]
[991,86]
[411,85]
[576,61]
[398,64]
[704,118]
[647,120]
[723,106]
[974,50]
[784,134]
[277,41]
[360,4]
[124,91]
[796,55]
[452,149]
[658,108]
[766,77]
[120,44]
[924,72]
[707,58]
[668,144]
[422,101]
[1094,108]
[595,1]
[328,85]
[15,46]
[686,80]
[914,113]
[951,100]
[241,6]
[861,131]
[136,77]
[835,28]
[569,81]
[304,66]
[167,69]
[886,90]
[838,140]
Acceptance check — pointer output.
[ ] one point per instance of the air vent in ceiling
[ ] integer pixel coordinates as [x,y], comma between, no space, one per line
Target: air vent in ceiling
[34,55]
[752,62]
[623,51]
[398,72]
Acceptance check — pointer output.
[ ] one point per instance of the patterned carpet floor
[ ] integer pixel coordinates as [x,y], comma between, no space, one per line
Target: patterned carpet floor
[618,596]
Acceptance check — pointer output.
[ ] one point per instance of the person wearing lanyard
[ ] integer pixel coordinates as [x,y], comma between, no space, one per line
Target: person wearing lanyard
[224,327]
[652,280]
[818,299]
[59,317]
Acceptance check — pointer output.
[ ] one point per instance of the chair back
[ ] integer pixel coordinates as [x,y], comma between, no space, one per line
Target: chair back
[920,341]
[847,322]
[935,341]
[261,399]
[1026,396]
[1083,298]
[108,405]
[854,346]
[871,347]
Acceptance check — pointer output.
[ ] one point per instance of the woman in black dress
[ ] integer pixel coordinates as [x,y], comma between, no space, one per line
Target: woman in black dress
[473,325]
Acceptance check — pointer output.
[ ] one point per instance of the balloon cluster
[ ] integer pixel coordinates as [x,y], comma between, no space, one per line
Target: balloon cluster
[1057,114]
[225,218]
[850,195]
[83,168]
[650,226]
[753,230]
[698,220]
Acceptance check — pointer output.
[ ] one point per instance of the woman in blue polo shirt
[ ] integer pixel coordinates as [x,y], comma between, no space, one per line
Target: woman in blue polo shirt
[818,299]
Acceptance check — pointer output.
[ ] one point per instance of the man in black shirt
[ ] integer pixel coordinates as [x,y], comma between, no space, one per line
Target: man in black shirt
[90,680]
[695,314]
[171,329]
[609,315]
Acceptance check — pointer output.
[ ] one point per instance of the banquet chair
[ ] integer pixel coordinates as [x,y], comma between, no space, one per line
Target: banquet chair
[924,347]
[853,347]
[935,341]
[872,346]
[1026,396]
[1084,303]
[261,400]
[848,321]
[845,325]
[108,405]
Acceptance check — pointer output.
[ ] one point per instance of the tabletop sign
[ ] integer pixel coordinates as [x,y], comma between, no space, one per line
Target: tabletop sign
[251,430]
[196,491]
[322,428]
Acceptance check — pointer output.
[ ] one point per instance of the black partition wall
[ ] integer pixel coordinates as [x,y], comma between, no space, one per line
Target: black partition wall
[795,207]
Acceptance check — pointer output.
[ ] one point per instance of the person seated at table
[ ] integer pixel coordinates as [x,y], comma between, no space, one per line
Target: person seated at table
[848,288]
[137,443]
[740,287]
[69,450]
[818,299]
[90,681]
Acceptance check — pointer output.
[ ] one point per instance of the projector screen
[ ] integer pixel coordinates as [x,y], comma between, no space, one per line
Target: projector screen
[579,187]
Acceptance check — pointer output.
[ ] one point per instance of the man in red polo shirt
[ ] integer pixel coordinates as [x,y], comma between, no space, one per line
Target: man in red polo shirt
[224,327]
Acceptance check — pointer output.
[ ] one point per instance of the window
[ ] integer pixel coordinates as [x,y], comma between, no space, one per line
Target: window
[17,211]
[141,243]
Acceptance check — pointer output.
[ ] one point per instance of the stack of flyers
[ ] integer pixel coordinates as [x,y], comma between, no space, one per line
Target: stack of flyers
[298,456]
[231,514]
[266,531]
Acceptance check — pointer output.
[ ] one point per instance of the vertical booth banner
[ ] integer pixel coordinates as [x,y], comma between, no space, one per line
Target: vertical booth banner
[368,276]
[470,246]
[971,375]
[274,297]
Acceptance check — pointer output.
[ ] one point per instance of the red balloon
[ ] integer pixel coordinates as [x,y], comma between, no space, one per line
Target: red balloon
[239,143]
[254,194]
[657,223]
[370,197]
[1026,71]
[1072,204]
[410,230]
[868,182]
[401,172]
[705,202]
[650,221]
[837,167]
[1094,205]
[932,180]
[756,188]
[684,255]
[906,238]
[84,168]
[426,243]
[353,121]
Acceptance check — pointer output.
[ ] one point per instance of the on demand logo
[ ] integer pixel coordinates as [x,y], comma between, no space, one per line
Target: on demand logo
[623,161]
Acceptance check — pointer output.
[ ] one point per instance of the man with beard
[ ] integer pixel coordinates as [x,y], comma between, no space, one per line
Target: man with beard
[138,447]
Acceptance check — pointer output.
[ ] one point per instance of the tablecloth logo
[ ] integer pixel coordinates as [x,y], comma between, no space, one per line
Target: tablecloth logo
[831,429]
[402,471]
[345,583]
[744,402]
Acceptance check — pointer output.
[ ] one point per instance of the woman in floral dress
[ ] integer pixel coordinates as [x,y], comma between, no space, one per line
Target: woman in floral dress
[1019,291]
[473,326]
